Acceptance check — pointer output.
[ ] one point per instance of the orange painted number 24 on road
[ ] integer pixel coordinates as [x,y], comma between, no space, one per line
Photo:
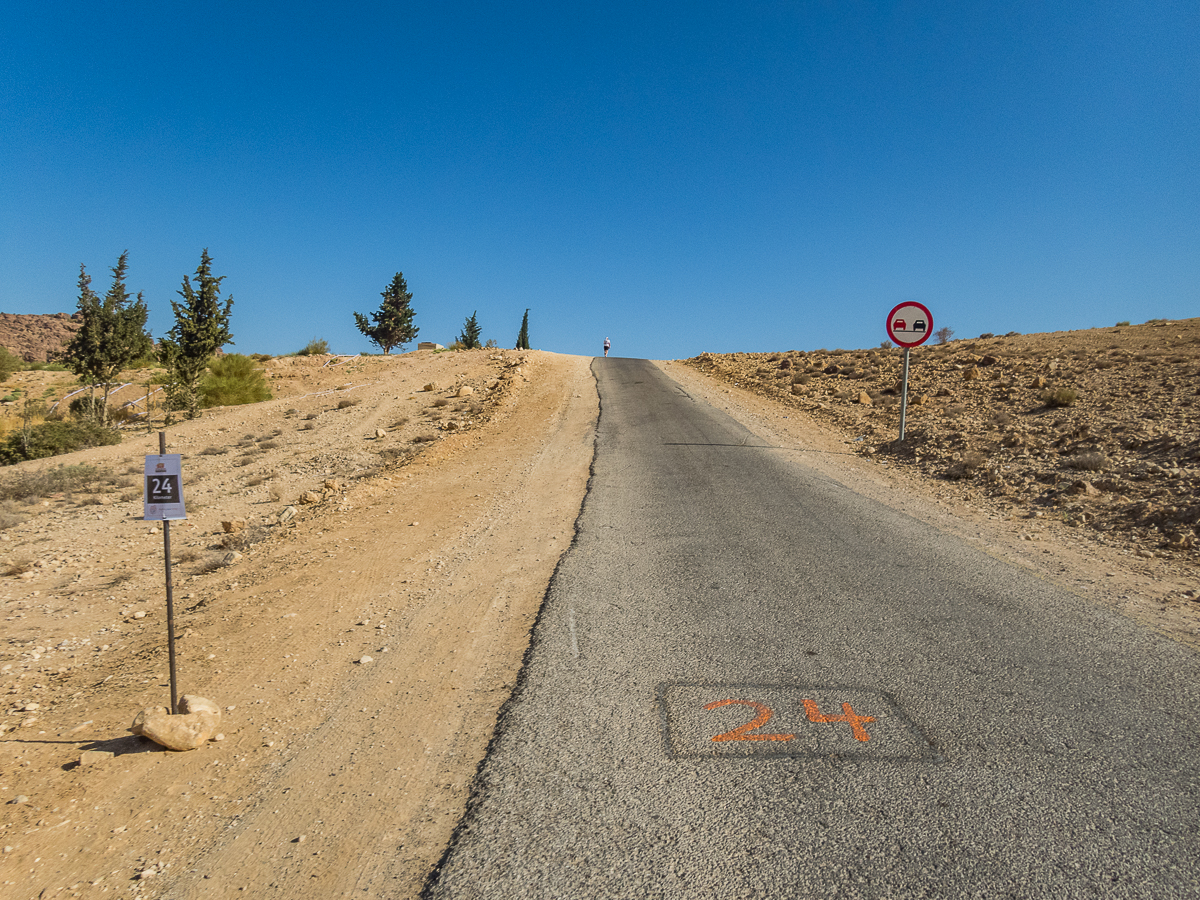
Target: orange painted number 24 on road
[749,731]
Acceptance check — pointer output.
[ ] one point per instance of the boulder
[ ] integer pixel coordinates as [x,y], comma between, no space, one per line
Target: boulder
[864,398]
[234,526]
[465,391]
[311,497]
[197,720]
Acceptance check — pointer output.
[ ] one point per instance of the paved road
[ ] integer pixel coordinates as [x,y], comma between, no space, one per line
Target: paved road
[748,681]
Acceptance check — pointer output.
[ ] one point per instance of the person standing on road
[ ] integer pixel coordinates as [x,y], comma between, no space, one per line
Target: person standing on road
[607,344]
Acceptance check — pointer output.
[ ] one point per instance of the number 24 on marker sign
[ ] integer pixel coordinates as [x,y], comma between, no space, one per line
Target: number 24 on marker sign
[748,731]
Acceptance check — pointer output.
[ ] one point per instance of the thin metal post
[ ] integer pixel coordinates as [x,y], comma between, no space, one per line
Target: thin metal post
[904,393]
[162,451]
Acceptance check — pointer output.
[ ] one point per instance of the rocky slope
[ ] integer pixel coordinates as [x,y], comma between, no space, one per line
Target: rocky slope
[35,338]
[1095,429]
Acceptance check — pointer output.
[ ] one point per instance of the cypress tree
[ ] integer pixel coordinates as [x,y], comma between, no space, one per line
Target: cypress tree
[201,328]
[523,335]
[470,333]
[393,321]
[112,333]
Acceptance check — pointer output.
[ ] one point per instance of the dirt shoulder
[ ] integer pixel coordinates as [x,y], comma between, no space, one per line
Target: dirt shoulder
[334,774]
[1151,589]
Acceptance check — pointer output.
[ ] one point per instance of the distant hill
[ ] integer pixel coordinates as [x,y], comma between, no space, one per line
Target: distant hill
[36,338]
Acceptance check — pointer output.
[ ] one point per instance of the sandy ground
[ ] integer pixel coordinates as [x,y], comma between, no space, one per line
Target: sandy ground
[337,776]
[334,776]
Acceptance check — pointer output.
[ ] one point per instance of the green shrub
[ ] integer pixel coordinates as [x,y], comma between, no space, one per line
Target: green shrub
[232,380]
[315,347]
[1124,324]
[54,438]
[85,407]
[9,364]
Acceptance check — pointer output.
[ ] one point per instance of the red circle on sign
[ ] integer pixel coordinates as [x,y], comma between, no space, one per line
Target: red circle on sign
[909,324]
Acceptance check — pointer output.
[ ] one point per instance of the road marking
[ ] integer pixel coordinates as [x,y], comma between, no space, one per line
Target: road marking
[714,719]
[742,732]
[855,722]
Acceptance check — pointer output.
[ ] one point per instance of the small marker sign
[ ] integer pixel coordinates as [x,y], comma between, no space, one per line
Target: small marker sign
[164,488]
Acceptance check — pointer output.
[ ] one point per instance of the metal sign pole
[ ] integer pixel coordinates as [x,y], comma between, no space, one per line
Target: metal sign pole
[162,451]
[904,393]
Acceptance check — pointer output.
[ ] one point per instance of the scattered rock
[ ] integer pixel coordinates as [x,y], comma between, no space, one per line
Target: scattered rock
[234,526]
[465,391]
[432,386]
[380,433]
[289,513]
[363,660]
[311,497]
[864,398]
[1084,487]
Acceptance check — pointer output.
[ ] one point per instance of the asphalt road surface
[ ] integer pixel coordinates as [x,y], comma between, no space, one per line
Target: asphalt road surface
[748,681]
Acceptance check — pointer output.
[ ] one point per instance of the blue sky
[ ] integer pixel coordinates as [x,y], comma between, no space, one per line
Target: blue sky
[680,177]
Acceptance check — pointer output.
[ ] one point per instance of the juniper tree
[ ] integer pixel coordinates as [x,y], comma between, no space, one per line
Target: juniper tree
[523,334]
[112,333]
[470,333]
[201,328]
[393,321]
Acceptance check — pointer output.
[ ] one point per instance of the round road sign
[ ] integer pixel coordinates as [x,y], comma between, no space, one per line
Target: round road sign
[909,324]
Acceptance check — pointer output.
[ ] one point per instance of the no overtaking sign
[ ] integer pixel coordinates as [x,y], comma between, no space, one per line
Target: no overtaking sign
[909,324]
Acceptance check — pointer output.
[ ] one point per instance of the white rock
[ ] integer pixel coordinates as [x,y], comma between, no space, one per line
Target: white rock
[363,660]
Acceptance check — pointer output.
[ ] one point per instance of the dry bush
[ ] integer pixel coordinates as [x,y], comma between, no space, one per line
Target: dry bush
[28,486]
[424,438]
[186,555]
[1059,397]
[256,481]
[440,402]
[210,563]
[966,465]
[954,410]
[269,445]
[400,422]
[10,514]
[18,566]
[244,539]
[346,404]
[212,451]
[1089,460]
[307,426]
[311,416]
